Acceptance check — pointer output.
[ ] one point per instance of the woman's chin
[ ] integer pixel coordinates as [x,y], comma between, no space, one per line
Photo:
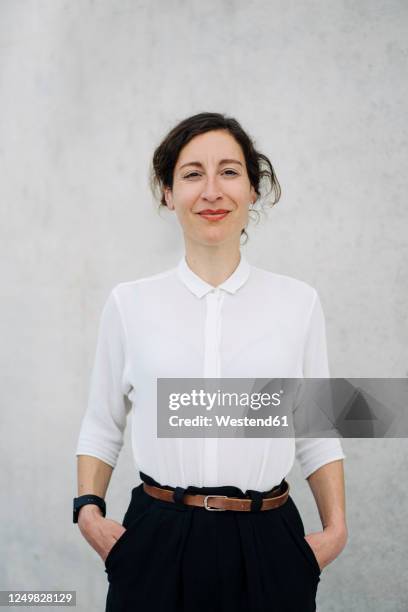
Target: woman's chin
[213,237]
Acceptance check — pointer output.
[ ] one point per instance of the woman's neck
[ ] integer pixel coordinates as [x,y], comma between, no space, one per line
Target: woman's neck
[213,264]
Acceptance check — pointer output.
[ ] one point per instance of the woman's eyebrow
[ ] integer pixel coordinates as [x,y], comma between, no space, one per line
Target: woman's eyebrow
[223,161]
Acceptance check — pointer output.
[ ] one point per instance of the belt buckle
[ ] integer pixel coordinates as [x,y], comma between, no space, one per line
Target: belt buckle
[207,507]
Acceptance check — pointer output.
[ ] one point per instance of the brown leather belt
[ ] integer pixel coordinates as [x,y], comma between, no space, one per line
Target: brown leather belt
[274,499]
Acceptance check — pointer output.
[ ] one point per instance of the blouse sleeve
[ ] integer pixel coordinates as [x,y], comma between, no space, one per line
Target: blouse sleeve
[103,424]
[313,453]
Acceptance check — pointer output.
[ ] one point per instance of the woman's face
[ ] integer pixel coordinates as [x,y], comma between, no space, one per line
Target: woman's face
[210,175]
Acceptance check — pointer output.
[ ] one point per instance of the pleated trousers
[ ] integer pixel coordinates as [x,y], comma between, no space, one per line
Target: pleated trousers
[179,558]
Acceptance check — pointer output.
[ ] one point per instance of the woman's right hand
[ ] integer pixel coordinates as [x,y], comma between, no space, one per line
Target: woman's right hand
[100,532]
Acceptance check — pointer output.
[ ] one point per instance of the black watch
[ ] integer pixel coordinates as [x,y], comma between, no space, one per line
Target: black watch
[83,500]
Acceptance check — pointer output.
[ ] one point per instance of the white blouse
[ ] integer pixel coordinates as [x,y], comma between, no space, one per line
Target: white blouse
[256,324]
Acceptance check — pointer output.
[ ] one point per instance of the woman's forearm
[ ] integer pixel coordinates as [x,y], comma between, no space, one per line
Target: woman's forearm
[93,477]
[327,484]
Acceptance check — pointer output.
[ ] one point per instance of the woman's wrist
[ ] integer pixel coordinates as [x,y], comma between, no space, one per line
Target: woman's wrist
[88,513]
[338,527]
[338,533]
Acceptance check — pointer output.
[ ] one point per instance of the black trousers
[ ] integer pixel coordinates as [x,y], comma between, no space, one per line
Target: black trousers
[178,558]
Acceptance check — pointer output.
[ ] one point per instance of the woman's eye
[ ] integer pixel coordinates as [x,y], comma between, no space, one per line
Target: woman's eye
[193,174]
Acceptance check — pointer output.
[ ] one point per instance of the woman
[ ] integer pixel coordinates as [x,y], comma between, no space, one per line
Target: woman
[213,315]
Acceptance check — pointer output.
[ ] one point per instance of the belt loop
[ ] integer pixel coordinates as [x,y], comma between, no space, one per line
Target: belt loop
[148,479]
[257,498]
[283,485]
[178,495]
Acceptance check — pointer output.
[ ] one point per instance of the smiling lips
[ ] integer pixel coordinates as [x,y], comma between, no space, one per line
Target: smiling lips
[214,215]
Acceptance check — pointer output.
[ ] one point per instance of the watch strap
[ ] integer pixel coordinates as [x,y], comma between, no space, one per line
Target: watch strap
[83,500]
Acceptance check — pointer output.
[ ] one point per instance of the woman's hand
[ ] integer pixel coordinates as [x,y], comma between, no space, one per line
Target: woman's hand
[327,544]
[101,533]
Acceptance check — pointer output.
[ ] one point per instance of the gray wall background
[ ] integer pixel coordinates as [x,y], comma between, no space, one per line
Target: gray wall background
[87,91]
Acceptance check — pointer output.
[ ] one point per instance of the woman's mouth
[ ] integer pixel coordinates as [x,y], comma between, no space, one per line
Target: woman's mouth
[214,215]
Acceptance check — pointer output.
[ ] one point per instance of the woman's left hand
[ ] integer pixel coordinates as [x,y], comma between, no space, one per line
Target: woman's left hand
[327,544]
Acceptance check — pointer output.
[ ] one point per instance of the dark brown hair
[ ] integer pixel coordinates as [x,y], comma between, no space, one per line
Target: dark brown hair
[259,168]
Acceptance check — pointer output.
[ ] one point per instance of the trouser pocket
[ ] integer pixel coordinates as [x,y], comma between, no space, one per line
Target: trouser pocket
[140,505]
[294,526]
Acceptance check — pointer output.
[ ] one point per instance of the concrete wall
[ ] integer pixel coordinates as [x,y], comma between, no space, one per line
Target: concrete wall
[87,90]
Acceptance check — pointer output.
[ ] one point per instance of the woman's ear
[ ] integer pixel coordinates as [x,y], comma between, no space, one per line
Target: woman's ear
[168,196]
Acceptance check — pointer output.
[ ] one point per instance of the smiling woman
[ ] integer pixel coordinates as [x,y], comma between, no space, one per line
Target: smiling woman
[209,159]
[212,526]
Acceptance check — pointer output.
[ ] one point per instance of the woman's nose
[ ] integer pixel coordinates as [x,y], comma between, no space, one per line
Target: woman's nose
[211,191]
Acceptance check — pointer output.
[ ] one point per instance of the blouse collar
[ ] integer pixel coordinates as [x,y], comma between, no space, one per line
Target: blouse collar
[200,287]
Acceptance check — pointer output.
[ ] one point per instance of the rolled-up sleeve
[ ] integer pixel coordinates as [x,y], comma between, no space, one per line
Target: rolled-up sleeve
[102,430]
[313,453]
